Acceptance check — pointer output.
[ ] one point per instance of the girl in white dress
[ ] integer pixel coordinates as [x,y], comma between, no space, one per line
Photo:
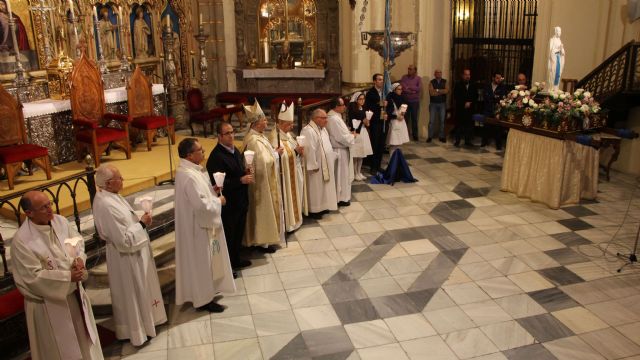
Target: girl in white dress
[398,132]
[359,123]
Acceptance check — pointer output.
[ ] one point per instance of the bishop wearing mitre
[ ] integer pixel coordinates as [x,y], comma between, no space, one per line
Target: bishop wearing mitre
[293,179]
[265,226]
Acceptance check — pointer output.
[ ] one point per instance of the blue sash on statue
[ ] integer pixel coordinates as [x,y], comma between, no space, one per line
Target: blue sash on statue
[398,169]
[556,79]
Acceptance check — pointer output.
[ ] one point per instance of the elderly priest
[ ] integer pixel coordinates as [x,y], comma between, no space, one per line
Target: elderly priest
[202,260]
[48,261]
[292,174]
[320,161]
[264,228]
[133,279]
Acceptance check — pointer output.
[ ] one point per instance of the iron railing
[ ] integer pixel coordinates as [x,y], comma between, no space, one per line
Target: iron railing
[620,73]
[73,184]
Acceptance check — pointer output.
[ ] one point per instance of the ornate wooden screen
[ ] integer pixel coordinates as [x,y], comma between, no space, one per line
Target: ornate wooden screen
[493,35]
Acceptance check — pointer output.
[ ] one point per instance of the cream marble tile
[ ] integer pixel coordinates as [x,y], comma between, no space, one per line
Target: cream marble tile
[614,313]
[260,267]
[394,224]
[520,305]
[491,252]
[367,227]
[156,344]
[416,247]
[485,312]
[465,293]
[479,270]
[530,281]
[588,270]
[446,196]
[307,297]
[179,314]
[469,257]
[310,233]
[384,213]
[469,343]
[449,319]
[298,279]
[439,300]
[189,334]
[324,259]
[510,219]
[396,251]
[381,287]
[273,323]
[499,287]
[510,265]
[191,352]
[377,271]
[545,243]
[460,227]
[409,327]
[246,349]
[316,245]
[233,328]
[476,239]
[572,348]
[632,331]
[262,283]
[507,335]
[401,265]
[151,355]
[347,242]
[456,277]
[271,345]
[481,201]
[267,302]
[485,223]
[411,210]
[432,347]
[526,231]
[552,227]
[501,234]
[406,280]
[611,343]
[420,220]
[369,333]
[384,352]
[579,320]
[538,260]
[316,317]
[357,216]
[291,263]
[517,247]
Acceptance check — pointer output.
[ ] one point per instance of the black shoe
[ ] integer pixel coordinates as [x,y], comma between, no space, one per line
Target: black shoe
[211,307]
[499,148]
[469,145]
[428,140]
[344,203]
[415,138]
[443,140]
[457,143]
[316,216]
[240,264]
[266,250]
[235,275]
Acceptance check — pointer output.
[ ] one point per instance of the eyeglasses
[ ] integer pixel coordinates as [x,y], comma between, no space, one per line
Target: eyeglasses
[44,207]
[116,178]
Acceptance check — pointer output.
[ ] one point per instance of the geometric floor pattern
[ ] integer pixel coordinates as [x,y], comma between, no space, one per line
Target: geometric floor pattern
[449,267]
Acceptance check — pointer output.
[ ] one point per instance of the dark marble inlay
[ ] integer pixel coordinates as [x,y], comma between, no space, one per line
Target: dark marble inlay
[432,231]
[394,305]
[545,327]
[448,242]
[355,311]
[410,156]
[571,239]
[463,163]
[435,160]
[578,211]
[492,167]
[361,264]
[295,349]
[561,276]
[575,224]
[434,275]
[344,291]
[529,352]
[421,298]
[566,256]
[337,356]
[446,216]
[358,188]
[458,204]
[327,341]
[307,221]
[553,299]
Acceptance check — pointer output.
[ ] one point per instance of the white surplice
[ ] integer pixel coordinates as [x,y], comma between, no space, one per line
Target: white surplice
[295,201]
[58,312]
[133,279]
[202,259]
[320,161]
[342,140]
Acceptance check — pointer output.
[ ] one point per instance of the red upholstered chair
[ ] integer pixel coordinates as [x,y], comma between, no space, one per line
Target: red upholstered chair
[14,150]
[197,112]
[141,117]
[92,125]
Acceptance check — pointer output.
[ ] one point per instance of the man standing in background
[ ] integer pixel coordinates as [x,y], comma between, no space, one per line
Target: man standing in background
[411,89]
[438,91]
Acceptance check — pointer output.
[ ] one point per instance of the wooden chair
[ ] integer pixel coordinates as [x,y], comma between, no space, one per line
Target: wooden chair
[91,123]
[14,149]
[141,117]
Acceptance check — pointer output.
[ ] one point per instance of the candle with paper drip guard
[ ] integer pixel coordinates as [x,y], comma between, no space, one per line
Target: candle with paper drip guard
[145,203]
[248,159]
[218,178]
[301,140]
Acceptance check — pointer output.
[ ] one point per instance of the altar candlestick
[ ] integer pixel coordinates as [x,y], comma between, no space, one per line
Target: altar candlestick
[9,8]
[71,6]
[200,22]
[95,14]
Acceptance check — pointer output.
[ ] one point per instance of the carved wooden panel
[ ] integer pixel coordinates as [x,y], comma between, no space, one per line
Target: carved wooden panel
[11,120]
[139,95]
[87,94]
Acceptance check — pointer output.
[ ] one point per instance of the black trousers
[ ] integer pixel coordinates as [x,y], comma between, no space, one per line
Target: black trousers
[233,222]
[378,136]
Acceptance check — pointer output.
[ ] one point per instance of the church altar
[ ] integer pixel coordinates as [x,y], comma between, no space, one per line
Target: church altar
[552,171]
[48,122]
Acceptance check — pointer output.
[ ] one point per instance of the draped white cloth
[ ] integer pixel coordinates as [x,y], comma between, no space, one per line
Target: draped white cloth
[202,259]
[133,279]
[320,161]
[58,312]
[295,188]
[341,140]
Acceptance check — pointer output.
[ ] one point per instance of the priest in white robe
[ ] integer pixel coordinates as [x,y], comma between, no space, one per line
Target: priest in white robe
[292,175]
[342,140]
[48,258]
[320,161]
[264,229]
[136,298]
[203,267]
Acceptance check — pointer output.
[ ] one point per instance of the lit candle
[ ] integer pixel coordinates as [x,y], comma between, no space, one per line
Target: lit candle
[120,13]
[200,22]
[71,7]
[9,8]
[95,13]
[168,21]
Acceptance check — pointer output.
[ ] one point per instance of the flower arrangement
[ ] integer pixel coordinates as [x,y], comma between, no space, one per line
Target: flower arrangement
[559,110]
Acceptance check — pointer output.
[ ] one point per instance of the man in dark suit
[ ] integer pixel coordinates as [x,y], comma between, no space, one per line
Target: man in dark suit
[465,98]
[491,95]
[226,158]
[378,127]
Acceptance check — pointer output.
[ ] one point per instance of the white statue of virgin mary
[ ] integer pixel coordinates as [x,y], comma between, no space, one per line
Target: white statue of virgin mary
[556,60]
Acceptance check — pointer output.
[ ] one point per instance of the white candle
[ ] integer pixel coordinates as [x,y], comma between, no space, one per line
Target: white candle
[120,13]
[168,21]
[200,22]
[95,13]
[9,8]
[71,7]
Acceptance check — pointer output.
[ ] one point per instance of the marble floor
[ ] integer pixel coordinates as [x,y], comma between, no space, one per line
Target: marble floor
[449,267]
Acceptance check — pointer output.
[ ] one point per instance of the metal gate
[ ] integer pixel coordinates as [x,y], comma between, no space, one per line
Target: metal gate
[493,35]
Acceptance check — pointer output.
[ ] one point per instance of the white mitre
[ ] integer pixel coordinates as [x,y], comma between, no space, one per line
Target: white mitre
[286,113]
[254,112]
